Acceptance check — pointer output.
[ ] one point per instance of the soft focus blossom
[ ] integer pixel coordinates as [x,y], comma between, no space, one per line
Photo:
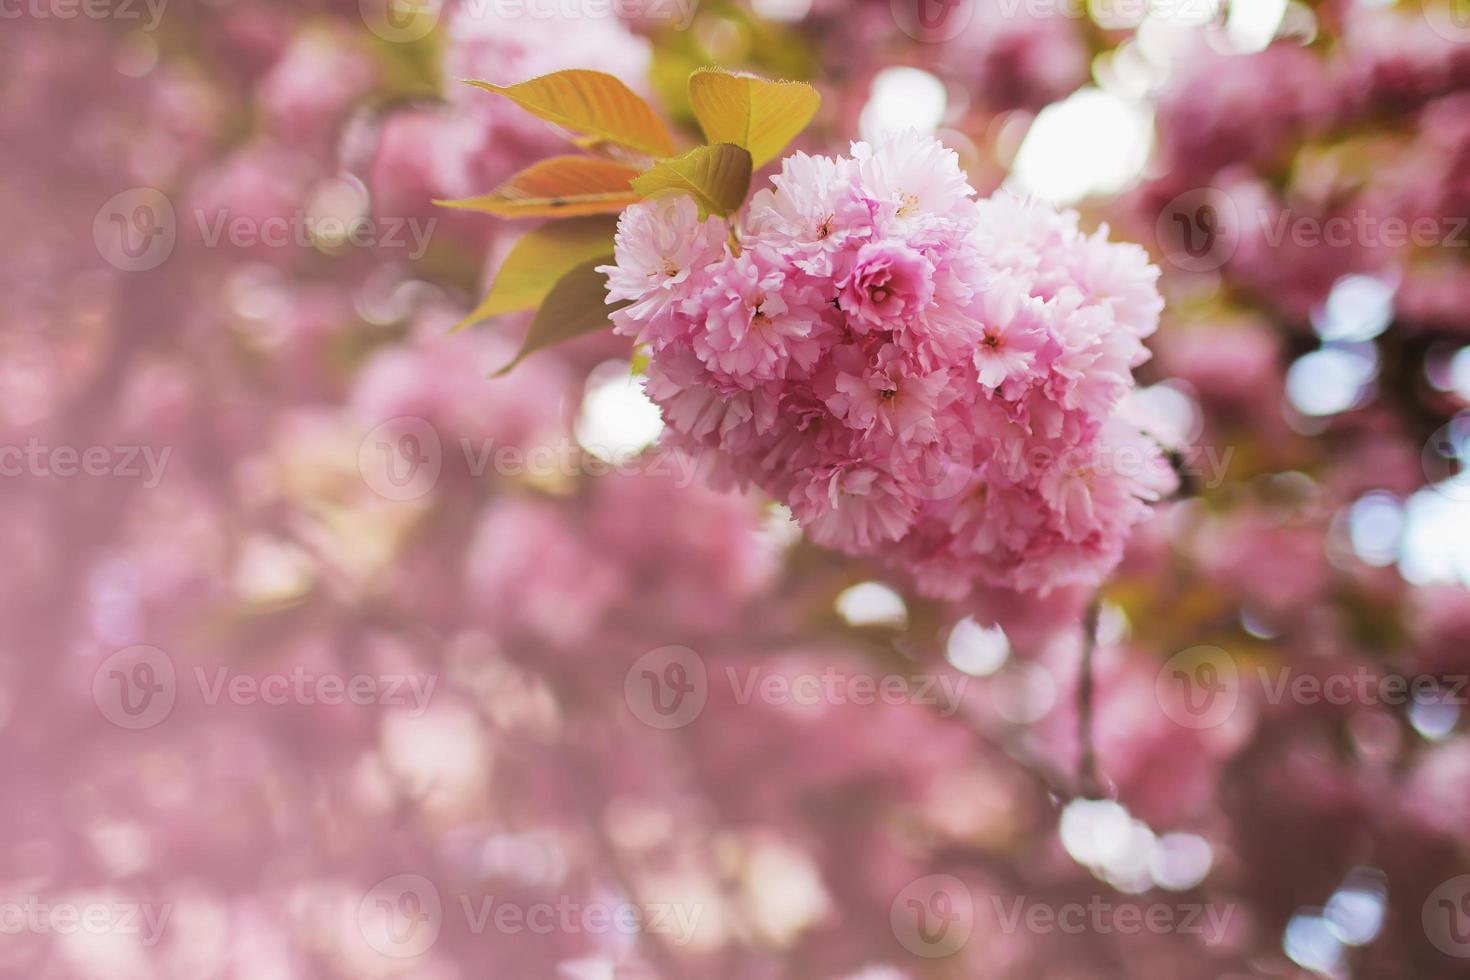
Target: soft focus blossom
[935,323]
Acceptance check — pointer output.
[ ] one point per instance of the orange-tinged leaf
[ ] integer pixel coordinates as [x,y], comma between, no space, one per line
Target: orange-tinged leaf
[576,305]
[717,176]
[593,104]
[561,187]
[539,259]
[758,114]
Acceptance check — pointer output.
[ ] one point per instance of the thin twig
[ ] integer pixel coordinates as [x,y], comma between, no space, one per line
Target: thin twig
[1088,784]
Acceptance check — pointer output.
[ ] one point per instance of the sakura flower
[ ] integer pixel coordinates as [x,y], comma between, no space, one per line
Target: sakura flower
[811,212]
[1013,329]
[916,374]
[752,328]
[913,176]
[887,396]
[888,283]
[854,508]
[659,245]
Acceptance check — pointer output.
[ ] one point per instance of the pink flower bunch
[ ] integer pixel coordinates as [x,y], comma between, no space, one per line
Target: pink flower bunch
[917,374]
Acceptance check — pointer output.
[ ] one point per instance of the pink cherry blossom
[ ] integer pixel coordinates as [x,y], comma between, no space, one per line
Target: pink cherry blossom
[888,282]
[914,373]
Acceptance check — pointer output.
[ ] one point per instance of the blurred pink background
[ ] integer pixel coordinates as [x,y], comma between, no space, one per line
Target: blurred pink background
[324,655]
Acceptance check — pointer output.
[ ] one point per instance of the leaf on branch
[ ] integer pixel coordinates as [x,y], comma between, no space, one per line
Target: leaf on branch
[576,305]
[561,187]
[539,259]
[717,176]
[760,115]
[594,104]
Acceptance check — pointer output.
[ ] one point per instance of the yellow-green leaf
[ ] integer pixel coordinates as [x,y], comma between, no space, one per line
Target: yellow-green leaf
[539,259]
[594,104]
[717,176]
[760,115]
[576,305]
[561,187]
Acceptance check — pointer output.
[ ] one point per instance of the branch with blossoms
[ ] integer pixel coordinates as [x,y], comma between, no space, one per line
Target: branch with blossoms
[926,379]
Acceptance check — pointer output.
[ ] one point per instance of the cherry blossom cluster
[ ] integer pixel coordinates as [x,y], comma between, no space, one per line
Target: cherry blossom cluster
[917,374]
